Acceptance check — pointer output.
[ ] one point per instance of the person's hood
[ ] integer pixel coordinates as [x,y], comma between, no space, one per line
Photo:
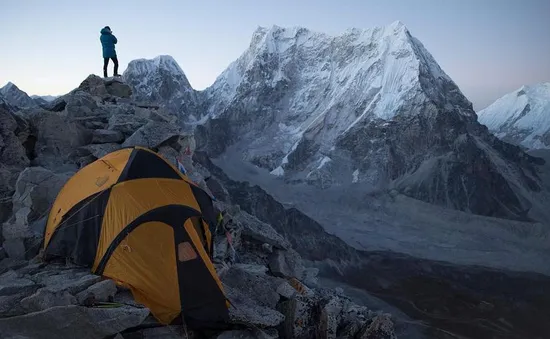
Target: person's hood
[105,30]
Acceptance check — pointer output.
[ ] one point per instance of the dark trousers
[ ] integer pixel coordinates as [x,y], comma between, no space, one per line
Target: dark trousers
[106,63]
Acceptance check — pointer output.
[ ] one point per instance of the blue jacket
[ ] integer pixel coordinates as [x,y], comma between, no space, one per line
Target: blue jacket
[108,41]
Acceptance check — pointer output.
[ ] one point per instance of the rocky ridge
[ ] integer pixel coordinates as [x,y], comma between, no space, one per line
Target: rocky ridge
[273,291]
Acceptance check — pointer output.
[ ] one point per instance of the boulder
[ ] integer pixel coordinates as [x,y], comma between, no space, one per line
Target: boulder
[32,268]
[246,311]
[117,88]
[72,322]
[70,281]
[2,253]
[154,134]
[99,150]
[44,299]
[299,315]
[154,115]
[103,136]
[286,264]
[251,268]
[102,291]
[94,86]
[259,231]
[35,190]
[259,287]
[10,305]
[381,327]
[11,264]
[56,138]
[81,104]
[13,283]
[286,290]
[56,105]
[329,319]
[128,124]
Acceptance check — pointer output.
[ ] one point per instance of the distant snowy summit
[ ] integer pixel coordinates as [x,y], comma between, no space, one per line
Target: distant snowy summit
[521,117]
[15,97]
[162,81]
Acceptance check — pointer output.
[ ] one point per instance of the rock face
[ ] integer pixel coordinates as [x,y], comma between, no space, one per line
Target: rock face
[521,117]
[370,107]
[162,81]
[35,191]
[13,157]
[16,97]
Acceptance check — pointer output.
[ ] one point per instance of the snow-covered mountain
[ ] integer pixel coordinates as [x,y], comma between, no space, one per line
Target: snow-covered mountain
[368,107]
[521,117]
[162,81]
[16,97]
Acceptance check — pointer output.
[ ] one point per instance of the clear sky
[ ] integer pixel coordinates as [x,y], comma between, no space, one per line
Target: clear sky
[488,47]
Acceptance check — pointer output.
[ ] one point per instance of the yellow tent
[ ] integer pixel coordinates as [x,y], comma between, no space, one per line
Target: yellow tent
[133,217]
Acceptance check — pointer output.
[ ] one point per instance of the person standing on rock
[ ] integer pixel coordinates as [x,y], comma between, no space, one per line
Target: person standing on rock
[108,41]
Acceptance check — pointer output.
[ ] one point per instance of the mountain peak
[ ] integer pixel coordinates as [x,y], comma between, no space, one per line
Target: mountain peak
[9,85]
[521,117]
[164,62]
[16,97]
[161,80]
[384,59]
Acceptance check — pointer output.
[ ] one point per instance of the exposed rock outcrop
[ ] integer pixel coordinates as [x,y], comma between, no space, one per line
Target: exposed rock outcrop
[264,277]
